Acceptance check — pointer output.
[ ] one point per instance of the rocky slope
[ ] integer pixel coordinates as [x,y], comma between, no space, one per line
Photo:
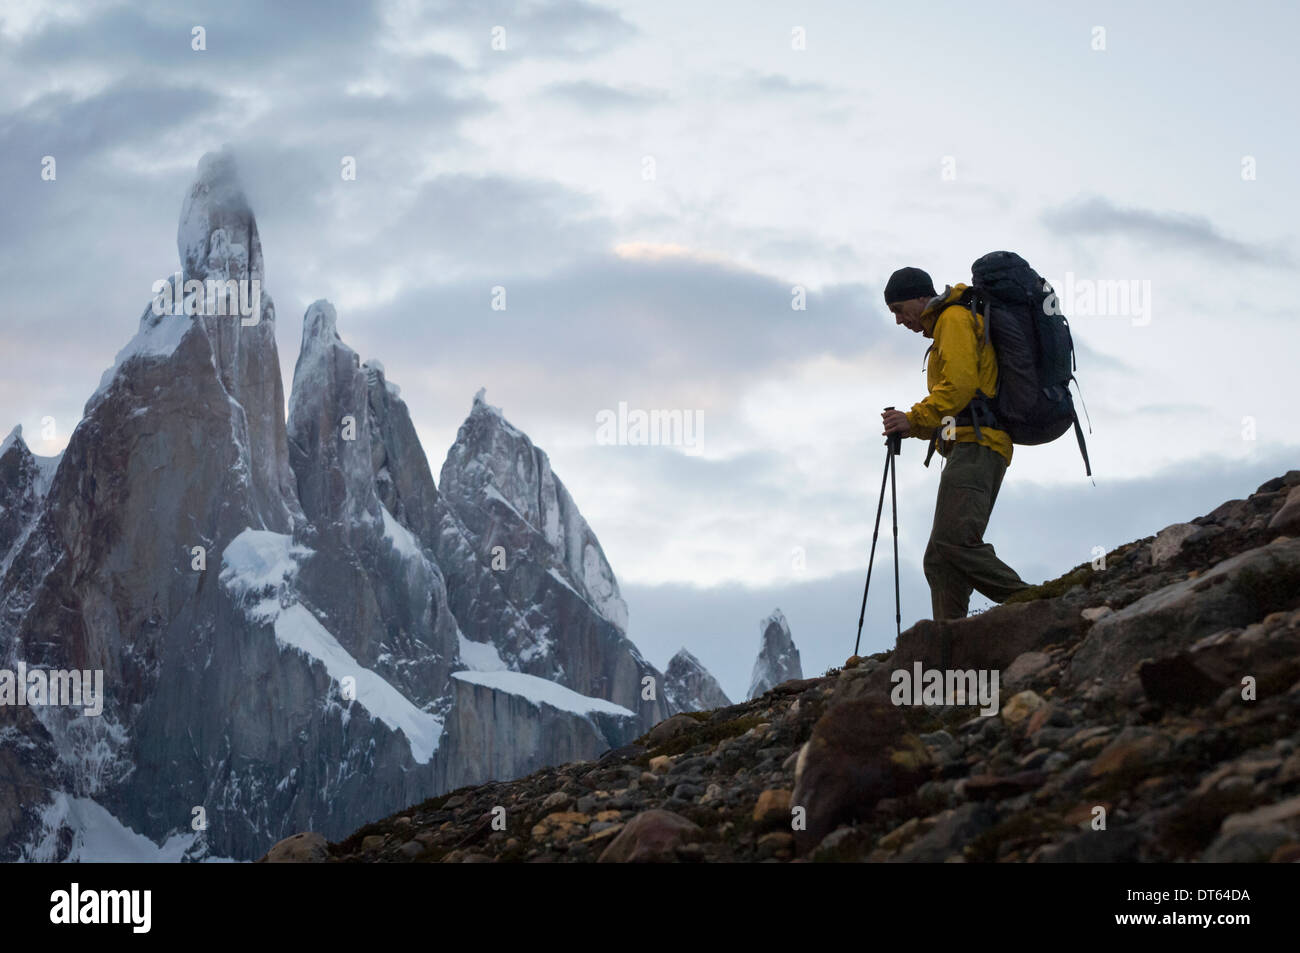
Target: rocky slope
[296,629]
[1147,711]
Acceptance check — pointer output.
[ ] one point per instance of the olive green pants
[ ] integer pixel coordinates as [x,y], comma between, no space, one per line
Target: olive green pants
[957,559]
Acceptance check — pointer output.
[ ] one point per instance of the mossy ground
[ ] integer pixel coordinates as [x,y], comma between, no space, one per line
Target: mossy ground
[707,735]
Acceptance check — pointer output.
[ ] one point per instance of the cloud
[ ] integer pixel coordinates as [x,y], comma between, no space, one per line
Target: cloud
[778,84]
[534,29]
[239,33]
[77,129]
[1097,216]
[625,322]
[589,95]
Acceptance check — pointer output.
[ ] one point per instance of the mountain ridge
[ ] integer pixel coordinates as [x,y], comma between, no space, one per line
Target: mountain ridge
[278,593]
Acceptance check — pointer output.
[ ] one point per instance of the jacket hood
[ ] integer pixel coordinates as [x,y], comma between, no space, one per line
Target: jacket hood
[949,295]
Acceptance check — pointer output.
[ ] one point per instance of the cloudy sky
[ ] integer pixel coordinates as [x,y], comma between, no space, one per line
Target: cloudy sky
[651,183]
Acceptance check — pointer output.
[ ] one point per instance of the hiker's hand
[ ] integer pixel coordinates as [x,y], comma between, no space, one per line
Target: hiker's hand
[895,422]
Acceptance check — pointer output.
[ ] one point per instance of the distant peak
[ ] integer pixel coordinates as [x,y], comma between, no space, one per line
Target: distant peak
[321,322]
[480,400]
[15,437]
[778,617]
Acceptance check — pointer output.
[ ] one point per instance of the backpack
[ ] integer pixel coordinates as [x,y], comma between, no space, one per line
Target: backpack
[1035,353]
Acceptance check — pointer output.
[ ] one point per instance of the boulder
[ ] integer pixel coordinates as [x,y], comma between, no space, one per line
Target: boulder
[989,640]
[773,808]
[650,836]
[671,728]
[305,848]
[950,832]
[1021,706]
[1025,667]
[1169,542]
[1235,592]
[1287,519]
[859,752]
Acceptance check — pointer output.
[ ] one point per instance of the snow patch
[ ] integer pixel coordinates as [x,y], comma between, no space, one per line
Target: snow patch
[298,629]
[46,467]
[481,656]
[540,691]
[258,559]
[555,574]
[99,837]
[401,538]
[159,336]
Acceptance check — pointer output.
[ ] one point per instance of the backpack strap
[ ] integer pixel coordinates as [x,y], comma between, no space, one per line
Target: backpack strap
[970,416]
[1078,431]
[1083,447]
[974,297]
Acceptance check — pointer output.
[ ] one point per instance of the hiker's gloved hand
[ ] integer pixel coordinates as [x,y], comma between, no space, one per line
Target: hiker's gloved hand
[895,422]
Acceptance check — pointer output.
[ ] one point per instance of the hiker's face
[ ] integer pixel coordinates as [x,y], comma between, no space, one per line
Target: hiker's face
[908,313]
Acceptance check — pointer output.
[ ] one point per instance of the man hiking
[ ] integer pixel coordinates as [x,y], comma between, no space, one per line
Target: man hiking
[961,372]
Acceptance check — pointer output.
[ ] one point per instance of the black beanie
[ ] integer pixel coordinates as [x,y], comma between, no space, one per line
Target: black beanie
[907,283]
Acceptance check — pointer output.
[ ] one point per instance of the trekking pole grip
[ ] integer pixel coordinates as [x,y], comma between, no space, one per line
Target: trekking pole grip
[895,441]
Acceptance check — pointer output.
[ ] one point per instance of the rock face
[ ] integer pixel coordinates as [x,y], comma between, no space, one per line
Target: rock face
[24,481]
[523,565]
[1172,713]
[689,686]
[274,606]
[778,659]
[505,724]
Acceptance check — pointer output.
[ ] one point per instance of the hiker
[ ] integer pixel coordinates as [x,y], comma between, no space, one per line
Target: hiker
[961,373]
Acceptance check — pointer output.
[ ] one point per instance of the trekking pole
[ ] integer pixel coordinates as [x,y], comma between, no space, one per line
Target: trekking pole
[896,447]
[889,454]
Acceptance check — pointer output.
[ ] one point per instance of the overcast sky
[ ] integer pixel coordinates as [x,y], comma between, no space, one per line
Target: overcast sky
[811,144]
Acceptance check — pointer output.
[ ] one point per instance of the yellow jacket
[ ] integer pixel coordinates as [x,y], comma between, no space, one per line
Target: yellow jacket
[962,360]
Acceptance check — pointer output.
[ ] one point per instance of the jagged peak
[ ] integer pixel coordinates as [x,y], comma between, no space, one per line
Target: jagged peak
[482,409]
[686,658]
[480,403]
[15,437]
[778,656]
[778,617]
[320,324]
[217,231]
